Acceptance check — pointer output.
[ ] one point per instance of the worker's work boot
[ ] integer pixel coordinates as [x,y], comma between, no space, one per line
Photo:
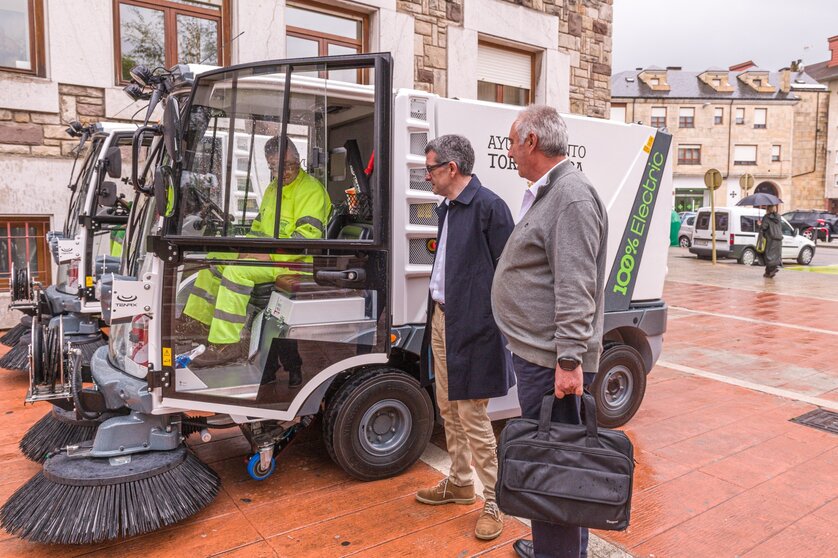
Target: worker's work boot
[295,378]
[490,522]
[446,492]
[217,355]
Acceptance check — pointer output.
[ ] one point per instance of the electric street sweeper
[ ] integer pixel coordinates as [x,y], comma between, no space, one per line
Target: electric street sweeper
[326,324]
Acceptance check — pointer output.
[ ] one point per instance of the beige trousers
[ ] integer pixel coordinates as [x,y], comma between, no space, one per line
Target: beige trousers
[468,430]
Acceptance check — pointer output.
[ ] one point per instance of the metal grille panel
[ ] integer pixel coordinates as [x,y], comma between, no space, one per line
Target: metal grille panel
[417,180]
[820,419]
[419,109]
[418,253]
[423,214]
[418,141]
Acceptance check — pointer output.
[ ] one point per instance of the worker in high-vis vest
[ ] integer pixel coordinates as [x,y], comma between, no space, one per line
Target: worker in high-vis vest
[117,239]
[219,297]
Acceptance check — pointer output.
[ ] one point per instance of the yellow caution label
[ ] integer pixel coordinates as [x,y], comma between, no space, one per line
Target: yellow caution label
[88,281]
[648,147]
[167,356]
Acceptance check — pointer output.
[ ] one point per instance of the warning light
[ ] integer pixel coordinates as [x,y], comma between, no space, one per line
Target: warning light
[431,245]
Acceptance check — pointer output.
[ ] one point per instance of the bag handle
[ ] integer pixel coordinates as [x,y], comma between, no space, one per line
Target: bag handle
[588,407]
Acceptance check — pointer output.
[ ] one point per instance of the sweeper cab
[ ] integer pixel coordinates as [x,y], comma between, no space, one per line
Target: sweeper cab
[326,325]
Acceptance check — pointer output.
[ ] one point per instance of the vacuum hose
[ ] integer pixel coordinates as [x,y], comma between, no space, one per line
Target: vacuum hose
[76,385]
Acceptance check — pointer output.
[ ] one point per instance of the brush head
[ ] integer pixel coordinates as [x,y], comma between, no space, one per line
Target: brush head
[87,500]
[17,358]
[56,430]
[11,337]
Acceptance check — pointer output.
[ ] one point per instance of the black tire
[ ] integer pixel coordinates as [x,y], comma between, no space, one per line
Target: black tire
[619,385]
[402,421]
[748,257]
[805,256]
[684,242]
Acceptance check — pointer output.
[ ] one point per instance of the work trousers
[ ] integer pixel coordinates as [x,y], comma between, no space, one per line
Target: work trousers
[219,298]
[468,430]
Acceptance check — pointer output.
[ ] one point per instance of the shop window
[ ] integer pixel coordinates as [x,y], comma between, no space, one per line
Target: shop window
[718,116]
[686,117]
[322,32]
[689,154]
[23,244]
[504,75]
[161,33]
[760,117]
[745,155]
[22,31]
[658,117]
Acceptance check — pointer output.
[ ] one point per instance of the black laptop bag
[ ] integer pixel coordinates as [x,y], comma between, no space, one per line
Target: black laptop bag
[565,473]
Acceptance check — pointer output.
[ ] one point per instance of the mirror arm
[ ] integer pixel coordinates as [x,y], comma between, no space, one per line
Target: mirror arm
[136,181]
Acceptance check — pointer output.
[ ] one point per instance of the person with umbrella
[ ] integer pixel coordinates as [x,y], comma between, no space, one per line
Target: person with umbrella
[770,229]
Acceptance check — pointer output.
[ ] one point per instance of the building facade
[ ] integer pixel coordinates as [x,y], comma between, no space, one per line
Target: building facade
[63,60]
[747,121]
[827,73]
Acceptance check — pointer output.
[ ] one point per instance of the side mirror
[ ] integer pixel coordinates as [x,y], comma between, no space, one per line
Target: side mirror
[107,194]
[164,191]
[796,231]
[113,162]
[171,129]
[337,164]
[137,181]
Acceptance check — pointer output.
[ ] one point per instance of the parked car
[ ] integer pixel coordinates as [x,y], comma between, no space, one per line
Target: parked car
[685,233]
[684,214]
[736,235]
[806,221]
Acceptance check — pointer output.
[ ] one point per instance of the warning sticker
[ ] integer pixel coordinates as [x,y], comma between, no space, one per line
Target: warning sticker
[167,356]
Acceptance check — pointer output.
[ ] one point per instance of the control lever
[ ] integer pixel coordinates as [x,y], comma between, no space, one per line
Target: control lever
[344,278]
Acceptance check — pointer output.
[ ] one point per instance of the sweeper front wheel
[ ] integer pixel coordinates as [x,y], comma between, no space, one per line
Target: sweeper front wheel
[91,500]
[378,423]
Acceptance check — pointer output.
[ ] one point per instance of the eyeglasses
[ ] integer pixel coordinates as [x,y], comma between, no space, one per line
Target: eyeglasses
[432,168]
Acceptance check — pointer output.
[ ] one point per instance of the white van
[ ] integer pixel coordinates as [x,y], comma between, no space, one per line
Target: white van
[736,236]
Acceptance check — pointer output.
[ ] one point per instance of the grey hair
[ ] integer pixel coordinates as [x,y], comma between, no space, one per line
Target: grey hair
[453,148]
[545,123]
[272,146]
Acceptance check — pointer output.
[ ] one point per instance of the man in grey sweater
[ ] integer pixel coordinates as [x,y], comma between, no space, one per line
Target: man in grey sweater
[548,290]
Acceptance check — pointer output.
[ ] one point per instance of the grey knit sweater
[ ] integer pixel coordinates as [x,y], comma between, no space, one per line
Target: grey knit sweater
[547,294]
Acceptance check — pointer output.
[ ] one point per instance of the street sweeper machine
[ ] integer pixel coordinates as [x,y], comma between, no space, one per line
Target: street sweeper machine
[275,271]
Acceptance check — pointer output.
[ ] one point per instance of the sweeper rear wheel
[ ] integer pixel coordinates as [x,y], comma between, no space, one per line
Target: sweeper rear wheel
[90,500]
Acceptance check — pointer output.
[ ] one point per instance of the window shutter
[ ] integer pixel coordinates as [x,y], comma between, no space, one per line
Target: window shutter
[504,67]
[659,111]
[618,113]
[759,116]
[686,111]
[746,153]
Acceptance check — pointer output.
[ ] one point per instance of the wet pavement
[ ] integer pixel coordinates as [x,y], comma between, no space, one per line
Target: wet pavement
[721,471]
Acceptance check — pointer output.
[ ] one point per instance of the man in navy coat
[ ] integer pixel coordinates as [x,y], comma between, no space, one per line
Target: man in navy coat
[469,360]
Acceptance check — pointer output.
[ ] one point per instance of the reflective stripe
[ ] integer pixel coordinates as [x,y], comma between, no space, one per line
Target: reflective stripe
[259,234]
[228,317]
[201,293]
[309,220]
[297,234]
[235,287]
[214,270]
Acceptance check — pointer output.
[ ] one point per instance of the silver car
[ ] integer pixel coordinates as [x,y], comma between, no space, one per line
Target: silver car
[685,233]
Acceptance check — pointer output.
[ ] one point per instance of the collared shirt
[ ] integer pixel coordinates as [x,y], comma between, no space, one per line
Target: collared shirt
[437,284]
[532,192]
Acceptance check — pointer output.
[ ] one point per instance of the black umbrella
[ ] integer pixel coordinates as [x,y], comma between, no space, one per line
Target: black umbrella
[760,198]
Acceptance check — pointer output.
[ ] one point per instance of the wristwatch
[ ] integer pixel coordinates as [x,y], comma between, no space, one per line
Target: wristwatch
[568,364]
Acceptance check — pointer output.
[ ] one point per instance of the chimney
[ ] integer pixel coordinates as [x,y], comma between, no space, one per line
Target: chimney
[833,46]
[785,80]
[742,66]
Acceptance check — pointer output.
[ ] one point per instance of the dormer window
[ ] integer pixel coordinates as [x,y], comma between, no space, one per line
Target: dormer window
[654,81]
[716,83]
[757,83]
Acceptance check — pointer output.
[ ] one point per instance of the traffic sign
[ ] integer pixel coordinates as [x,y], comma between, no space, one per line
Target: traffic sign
[746,181]
[712,179]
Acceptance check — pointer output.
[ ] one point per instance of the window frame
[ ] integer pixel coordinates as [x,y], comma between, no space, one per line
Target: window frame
[693,149]
[686,121]
[763,125]
[499,87]
[653,118]
[776,158]
[43,256]
[718,119]
[324,39]
[37,53]
[737,120]
[170,11]
[746,163]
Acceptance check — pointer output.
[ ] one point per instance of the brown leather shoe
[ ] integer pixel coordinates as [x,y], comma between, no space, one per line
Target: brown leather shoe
[490,522]
[446,492]
[217,355]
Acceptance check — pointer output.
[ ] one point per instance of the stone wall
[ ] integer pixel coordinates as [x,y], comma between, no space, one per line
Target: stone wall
[42,134]
[584,34]
[809,155]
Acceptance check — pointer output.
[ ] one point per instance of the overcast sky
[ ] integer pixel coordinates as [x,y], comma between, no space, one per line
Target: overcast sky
[698,34]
